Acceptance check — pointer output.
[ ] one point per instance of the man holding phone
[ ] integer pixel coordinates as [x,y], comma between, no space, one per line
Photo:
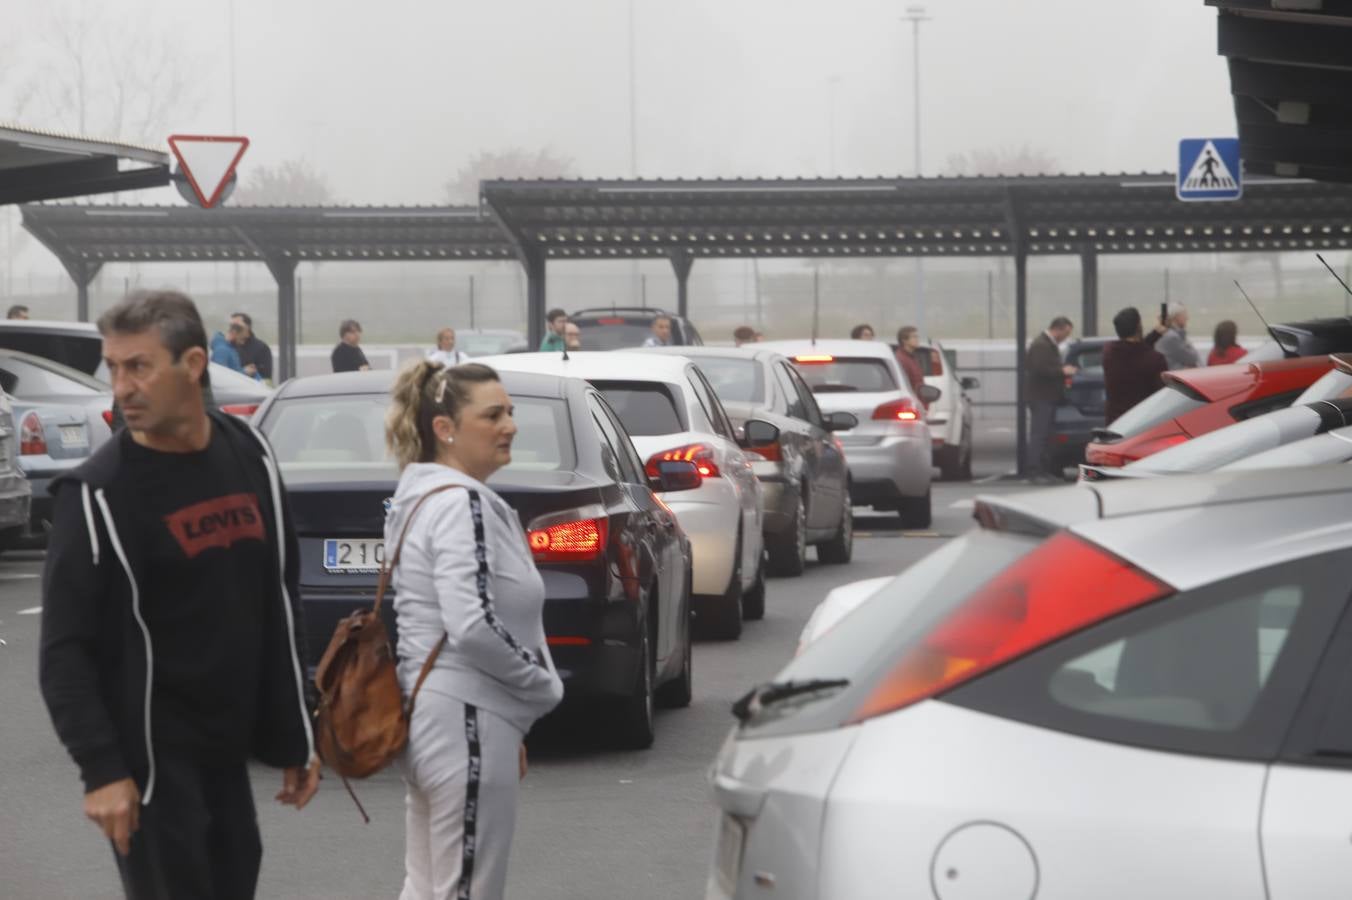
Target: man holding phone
[1173,344]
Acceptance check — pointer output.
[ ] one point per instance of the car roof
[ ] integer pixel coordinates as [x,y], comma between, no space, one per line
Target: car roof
[1215,382]
[623,365]
[834,347]
[653,311]
[756,352]
[381,381]
[50,326]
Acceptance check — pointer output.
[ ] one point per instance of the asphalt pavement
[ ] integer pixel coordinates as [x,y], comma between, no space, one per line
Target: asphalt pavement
[593,823]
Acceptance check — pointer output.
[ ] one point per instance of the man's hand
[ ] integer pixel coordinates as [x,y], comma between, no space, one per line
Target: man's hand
[1070,370]
[116,808]
[299,784]
[251,370]
[521,762]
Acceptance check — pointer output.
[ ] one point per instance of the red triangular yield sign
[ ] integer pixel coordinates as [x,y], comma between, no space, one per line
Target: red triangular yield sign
[208,162]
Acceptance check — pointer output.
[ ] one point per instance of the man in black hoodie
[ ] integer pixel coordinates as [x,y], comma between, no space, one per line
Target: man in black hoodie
[1132,367]
[169,631]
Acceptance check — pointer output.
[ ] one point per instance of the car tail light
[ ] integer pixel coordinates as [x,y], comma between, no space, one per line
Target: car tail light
[32,440]
[811,358]
[700,455]
[576,541]
[1063,586]
[1069,379]
[243,410]
[610,320]
[902,410]
[108,417]
[773,452]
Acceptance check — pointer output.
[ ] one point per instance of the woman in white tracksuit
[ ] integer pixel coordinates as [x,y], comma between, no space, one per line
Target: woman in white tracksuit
[465,574]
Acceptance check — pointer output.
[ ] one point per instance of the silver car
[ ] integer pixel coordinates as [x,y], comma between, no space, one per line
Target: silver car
[1121,690]
[890,452]
[803,475]
[15,492]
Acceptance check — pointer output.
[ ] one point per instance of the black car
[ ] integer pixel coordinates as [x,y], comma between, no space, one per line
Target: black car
[1085,403]
[1315,337]
[617,613]
[627,327]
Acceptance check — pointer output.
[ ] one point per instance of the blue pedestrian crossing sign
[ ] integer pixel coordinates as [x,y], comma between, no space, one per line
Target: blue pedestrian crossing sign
[1209,169]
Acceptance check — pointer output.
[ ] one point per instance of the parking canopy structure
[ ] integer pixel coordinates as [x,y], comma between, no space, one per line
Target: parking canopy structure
[83,238]
[1291,76]
[1083,215]
[45,165]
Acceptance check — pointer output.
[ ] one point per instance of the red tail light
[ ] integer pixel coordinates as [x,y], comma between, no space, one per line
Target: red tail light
[569,541]
[902,410]
[243,410]
[773,452]
[1063,586]
[108,417]
[700,455]
[32,440]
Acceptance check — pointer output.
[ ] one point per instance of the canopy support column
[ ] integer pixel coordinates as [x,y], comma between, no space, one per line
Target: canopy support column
[283,270]
[681,263]
[82,272]
[534,262]
[1089,292]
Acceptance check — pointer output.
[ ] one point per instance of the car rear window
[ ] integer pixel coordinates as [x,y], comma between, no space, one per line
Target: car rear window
[315,432]
[79,351]
[1089,360]
[734,380]
[26,379]
[644,407]
[1331,385]
[1167,403]
[839,374]
[488,344]
[617,332]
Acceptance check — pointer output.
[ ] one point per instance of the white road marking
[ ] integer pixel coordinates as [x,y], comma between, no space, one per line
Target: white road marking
[19,577]
[963,504]
[31,611]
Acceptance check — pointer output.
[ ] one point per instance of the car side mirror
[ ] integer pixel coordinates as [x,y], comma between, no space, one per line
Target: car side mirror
[675,475]
[929,394]
[841,421]
[970,384]
[756,433]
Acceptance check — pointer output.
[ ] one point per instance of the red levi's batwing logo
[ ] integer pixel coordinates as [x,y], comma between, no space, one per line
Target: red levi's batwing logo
[221,522]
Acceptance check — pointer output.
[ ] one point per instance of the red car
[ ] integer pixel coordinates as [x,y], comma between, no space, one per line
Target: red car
[1196,401]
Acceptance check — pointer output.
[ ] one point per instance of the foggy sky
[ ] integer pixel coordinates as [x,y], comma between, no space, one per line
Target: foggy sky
[389,99]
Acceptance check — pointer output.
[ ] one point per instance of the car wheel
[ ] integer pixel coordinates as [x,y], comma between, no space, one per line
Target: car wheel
[788,552]
[915,511]
[965,470]
[724,620]
[636,726]
[678,692]
[840,549]
[753,603]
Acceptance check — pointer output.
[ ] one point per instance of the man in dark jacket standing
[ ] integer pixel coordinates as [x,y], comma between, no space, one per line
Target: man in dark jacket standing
[254,354]
[1045,386]
[1131,365]
[169,652]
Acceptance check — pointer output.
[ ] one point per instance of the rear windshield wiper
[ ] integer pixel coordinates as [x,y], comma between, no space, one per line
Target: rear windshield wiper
[766,694]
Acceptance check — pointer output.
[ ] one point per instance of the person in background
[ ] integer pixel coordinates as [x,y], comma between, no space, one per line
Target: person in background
[743,334]
[347,356]
[445,352]
[572,336]
[1132,367]
[466,577]
[17,311]
[760,336]
[908,339]
[558,321]
[1226,349]
[661,336]
[223,352]
[254,354]
[1174,342]
[1045,384]
[861,333]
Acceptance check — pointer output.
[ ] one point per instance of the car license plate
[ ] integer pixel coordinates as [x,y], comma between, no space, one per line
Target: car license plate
[73,436]
[731,837]
[346,556]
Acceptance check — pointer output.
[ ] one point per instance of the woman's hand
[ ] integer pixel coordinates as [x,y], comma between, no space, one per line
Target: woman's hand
[521,762]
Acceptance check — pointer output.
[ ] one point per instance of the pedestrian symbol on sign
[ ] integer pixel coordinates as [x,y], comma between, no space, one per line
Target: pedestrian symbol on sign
[1209,169]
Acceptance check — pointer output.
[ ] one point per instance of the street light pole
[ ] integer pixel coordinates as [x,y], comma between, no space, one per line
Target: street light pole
[915,14]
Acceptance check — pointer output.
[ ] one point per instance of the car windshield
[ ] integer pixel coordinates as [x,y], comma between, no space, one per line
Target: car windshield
[488,344]
[616,332]
[1234,442]
[1167,403]
[1265,352]
[836,374]
[1331,385]
[27,378]
[349,431]
[1089,360]
[644,407]
[735,380]
[79,350]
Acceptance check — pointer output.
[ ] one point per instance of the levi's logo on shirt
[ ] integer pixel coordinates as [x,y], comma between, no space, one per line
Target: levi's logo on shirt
[221,522]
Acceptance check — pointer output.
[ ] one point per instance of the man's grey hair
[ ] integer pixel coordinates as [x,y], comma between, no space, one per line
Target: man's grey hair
[171,313]
[1176,308]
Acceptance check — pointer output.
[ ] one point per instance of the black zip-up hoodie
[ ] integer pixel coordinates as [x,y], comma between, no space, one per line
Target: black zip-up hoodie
[96,656]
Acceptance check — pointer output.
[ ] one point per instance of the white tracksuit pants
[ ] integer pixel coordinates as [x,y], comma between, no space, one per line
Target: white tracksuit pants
[462,772]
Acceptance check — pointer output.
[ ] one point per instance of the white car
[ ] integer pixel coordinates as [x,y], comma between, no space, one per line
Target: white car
[950,416]
[890,451]
[671,413]
[839,603]
[1120,690]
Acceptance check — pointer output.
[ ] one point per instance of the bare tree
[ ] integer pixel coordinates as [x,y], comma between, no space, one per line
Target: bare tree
[291,183]
[512,163]
[1023,160]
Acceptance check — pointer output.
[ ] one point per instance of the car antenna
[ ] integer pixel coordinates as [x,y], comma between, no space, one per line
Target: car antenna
[1320,257]
[1285,353]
